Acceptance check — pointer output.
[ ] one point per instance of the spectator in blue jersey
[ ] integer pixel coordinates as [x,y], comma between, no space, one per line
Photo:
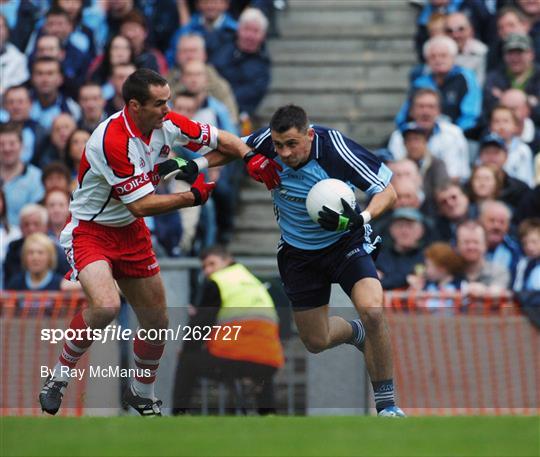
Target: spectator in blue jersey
[47,99]
[212,22]
[77,50]
[528,267]
[503,248]
[84,16]
[39,260]
[245,63]
[21,182]
[12,61]
[519,72]
[461,96]
[17,104]
[312,256]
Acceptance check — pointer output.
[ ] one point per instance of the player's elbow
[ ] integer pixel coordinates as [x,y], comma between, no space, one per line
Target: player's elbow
[137,209]
[392,196]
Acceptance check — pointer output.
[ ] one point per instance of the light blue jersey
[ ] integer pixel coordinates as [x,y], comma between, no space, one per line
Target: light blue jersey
[332,156]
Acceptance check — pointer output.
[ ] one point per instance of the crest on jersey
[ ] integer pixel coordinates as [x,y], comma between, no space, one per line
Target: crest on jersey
[164,152]
[142,163]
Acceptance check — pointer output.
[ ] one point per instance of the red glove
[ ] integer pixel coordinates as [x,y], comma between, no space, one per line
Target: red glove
[263,169]
[202,190]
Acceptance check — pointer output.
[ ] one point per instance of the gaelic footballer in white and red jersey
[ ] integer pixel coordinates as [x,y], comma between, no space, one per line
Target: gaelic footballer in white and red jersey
[118,167]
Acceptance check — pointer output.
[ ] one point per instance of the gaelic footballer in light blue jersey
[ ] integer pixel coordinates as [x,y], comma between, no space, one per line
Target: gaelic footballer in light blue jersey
[332,155]
[312,256]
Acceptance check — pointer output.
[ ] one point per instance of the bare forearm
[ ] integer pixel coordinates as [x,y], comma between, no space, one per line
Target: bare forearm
[229,148]
[382,201]
[154,204]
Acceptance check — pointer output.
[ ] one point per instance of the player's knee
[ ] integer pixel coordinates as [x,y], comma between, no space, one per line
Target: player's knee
[102,316]
[315,343]
[371,316]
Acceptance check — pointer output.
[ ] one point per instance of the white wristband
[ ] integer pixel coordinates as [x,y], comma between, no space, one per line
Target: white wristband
[366,216]
[202,162]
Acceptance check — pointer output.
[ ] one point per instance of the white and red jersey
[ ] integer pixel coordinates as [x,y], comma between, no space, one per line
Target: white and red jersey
[119,164]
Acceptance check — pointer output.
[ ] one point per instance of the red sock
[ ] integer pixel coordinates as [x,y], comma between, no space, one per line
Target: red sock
[74,349]
[147,355]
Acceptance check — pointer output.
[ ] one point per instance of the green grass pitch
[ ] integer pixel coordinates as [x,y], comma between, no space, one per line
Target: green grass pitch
[270,436]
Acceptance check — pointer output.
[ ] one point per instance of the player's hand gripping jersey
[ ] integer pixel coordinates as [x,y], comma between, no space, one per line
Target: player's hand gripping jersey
[332,156]
[119,164]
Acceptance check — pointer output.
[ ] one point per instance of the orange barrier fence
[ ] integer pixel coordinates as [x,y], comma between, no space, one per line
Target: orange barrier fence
[23,315]
[468,356]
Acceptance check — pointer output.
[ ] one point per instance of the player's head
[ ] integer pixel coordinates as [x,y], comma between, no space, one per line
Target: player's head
[146,94]
[291,135]
[214,259]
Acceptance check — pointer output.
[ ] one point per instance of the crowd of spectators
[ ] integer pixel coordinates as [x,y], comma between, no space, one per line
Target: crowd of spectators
[465,154]
[63,65]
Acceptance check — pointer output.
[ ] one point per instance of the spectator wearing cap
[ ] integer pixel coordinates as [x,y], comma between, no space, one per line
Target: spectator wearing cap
[472,53]
[461,96]
[502,248]
[432,169]
[445,140]
[135,29]
[509,20]
[245,63]
[400,258]
[483,277]
[12,61]
[531,8]
[516,100]
[493,152]
[17,103]
[519,72]
[519,164]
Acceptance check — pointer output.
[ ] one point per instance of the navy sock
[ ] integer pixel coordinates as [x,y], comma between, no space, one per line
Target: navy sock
[358,332]
[384,394]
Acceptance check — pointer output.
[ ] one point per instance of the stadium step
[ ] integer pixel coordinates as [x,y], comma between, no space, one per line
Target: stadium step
[347,63]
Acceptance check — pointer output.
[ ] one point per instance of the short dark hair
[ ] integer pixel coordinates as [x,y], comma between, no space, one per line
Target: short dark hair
[89,84]
[185,93]
[57,11]
[46,59]
[10,127]
[287,117]
[17,87]
[56,168]
[137,85]
[135,16]
[426,91]
[217,250]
